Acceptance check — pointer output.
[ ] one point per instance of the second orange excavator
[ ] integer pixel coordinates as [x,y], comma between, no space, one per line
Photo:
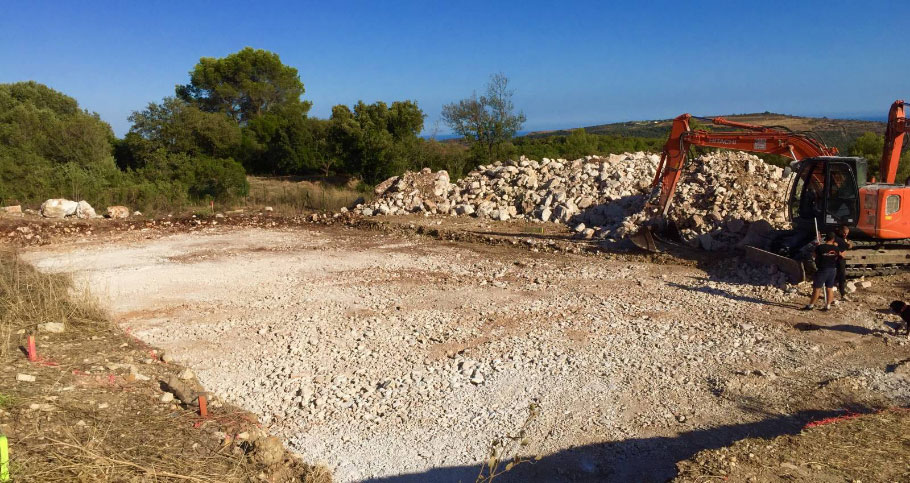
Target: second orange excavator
[828,190]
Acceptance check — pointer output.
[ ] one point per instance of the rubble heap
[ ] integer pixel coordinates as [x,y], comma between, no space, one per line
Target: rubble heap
[411,192]
[719,195]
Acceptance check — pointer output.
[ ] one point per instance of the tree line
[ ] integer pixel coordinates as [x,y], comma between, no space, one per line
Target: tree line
[245,114]
[240,114]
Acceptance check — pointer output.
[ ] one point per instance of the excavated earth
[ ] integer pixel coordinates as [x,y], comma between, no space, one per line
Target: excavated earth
[394,356]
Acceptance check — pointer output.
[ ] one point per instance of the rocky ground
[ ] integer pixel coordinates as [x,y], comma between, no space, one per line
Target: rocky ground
[395,356]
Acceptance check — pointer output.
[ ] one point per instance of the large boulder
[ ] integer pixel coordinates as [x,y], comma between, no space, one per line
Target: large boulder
[11,210]
[58,208]
[118,212]
[85,210]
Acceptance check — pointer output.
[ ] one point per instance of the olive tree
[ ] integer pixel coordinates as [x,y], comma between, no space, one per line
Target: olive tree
[487,121]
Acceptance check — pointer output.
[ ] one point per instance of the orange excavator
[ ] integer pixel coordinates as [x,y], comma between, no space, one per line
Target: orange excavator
[828,190]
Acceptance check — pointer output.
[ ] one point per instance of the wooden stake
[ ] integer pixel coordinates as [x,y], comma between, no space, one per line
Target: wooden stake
[203,407]
[31,350]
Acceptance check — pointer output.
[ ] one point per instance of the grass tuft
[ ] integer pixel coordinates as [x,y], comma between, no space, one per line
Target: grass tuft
[292,196]
[29,298]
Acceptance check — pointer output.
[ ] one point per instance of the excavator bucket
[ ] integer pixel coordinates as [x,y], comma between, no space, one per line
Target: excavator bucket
[644,239]
[793,268]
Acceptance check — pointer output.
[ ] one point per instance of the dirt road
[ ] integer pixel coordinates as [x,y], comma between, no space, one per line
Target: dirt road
[396,357]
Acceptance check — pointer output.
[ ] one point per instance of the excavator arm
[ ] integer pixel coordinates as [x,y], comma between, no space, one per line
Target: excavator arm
[757,139]
[897,129]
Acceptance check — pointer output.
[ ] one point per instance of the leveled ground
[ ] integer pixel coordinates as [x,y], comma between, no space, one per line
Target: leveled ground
[393,356]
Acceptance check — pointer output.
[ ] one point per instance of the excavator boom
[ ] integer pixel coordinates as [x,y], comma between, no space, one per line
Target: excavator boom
[761,139]
[897,129]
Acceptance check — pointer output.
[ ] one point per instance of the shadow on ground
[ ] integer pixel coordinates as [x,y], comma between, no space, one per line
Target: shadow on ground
[851,329]
[732,296]
[635,459]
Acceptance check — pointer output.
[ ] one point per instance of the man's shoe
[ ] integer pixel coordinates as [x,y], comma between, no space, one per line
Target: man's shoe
[827,307]
[808,307]
[846,298]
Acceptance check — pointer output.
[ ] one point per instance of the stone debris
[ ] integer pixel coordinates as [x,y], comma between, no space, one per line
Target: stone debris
[181,390]
[117,212]
[52,327]
[25,377]
[416,363]
[412,192]
[11,210]
[718,199]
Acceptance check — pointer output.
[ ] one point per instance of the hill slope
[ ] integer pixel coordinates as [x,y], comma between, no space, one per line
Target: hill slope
[834,132]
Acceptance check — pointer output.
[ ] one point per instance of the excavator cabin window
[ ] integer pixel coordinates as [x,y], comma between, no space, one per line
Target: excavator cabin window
[808,192]
[841,204]
[826,191]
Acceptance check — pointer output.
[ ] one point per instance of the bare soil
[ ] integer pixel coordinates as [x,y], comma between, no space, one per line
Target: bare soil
[90,408]
[400,349]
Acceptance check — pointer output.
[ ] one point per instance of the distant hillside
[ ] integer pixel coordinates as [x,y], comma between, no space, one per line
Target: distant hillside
[834,132]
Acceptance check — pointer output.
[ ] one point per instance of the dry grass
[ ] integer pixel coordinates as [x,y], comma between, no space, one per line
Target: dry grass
[505,453]
[82,420]
[292,196]
[28,298]
[872,447]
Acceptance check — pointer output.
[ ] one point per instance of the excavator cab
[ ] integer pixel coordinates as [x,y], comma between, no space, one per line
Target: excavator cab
[826,191]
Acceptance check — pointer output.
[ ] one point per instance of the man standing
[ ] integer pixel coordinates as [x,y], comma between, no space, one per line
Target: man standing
[843,244]
[826,255]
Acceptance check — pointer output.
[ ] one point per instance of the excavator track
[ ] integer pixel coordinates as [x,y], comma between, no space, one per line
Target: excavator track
[877,257]
[854,272]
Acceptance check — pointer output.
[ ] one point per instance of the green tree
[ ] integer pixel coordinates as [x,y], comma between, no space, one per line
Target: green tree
[870,146]
[375,141]
[183,151]
[263,96]
[50,147]
[275,144]
[579,143]
[488,121]
[245,85]
[179,127]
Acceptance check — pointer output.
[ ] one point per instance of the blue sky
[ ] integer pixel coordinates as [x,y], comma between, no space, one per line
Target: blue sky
[571,63]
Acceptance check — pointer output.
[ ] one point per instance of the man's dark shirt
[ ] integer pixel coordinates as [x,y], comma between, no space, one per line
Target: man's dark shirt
[842,245]
[826,255]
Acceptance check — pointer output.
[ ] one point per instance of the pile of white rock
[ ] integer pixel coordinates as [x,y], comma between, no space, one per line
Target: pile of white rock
[61,208]
[717,198]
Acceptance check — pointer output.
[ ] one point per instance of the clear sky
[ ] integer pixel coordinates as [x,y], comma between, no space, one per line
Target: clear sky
[572,63]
